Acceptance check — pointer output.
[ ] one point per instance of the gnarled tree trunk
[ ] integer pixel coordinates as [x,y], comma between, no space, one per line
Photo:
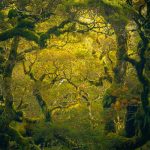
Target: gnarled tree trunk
[41,102]
[9,114]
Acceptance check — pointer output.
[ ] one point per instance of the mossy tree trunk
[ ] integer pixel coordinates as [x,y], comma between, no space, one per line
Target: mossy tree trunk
[121,38]
[120,67]
[140,67]
[10,114]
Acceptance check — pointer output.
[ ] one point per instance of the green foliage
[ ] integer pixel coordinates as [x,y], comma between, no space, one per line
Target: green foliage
[13,13]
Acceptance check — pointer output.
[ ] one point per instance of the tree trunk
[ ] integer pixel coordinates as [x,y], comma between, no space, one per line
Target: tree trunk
[9,114]
[130,120]
[121,38]
[41,102]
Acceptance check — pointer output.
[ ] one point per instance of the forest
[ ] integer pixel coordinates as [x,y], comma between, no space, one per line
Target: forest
[74,74]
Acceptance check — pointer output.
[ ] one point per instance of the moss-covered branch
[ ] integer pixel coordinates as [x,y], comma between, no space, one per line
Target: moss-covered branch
[53,31]
[27,34]
[24,143]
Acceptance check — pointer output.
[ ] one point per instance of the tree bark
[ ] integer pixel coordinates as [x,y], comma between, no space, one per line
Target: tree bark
[9,113]
[42,103]
[121,38]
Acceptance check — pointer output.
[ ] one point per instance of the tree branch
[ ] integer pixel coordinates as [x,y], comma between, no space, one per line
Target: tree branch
[27,34]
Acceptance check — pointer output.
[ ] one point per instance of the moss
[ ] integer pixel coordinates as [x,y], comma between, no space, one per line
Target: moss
[42,104]
[117,142]
[108,99]
[12,13]
[26,23]
[24,143]
[27,34]
[42,41]
[2,58]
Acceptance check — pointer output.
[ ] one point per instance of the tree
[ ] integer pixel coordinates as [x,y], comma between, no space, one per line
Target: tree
[35,27]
